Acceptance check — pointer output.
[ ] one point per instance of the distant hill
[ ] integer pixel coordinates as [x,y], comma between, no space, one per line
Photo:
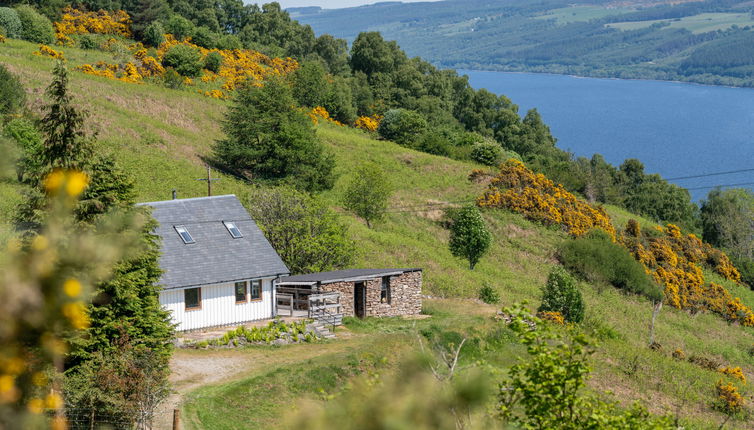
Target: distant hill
[702,41]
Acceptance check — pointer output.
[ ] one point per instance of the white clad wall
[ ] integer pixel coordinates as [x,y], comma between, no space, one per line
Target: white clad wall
[219,306]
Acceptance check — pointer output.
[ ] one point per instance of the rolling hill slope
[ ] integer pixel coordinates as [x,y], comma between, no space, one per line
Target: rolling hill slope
[161,136]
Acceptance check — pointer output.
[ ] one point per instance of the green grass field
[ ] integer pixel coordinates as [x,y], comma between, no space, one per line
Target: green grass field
[161,137]
[701,23]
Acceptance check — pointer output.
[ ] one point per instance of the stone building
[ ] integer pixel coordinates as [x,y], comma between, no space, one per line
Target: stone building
[363,292]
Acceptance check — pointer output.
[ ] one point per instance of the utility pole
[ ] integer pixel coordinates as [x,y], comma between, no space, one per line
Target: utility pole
[209,180]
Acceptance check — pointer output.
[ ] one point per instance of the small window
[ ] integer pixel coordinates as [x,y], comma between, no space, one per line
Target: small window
[234,231]
[193,298]
[256,289]
[185,235]
[385,290]
[241,292]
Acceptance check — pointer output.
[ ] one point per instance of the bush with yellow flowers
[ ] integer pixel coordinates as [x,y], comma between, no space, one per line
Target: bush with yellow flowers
[74,21]
[46,51]
[729,400]
[321,114]
[553,317]
[675,261]
[43,289]
[539,199]
[734,372]
[368,123]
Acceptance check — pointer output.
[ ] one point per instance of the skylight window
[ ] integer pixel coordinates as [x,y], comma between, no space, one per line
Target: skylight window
[185,235]
[234,231]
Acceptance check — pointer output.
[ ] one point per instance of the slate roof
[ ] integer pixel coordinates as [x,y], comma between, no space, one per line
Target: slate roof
[215,257]
[342,276]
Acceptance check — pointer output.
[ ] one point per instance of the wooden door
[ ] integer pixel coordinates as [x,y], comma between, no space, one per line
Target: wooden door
[359,299]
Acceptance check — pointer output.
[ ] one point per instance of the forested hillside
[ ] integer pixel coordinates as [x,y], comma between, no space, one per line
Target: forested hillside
[706,41]
[533,261]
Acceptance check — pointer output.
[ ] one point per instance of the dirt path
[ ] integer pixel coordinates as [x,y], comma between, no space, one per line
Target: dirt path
[192,369]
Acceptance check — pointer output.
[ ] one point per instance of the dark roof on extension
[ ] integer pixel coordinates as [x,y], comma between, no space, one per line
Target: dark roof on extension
[343,275]
[215,256]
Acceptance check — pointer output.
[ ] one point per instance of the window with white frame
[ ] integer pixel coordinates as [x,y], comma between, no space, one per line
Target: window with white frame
[256,289]
[233,229]
[184,234]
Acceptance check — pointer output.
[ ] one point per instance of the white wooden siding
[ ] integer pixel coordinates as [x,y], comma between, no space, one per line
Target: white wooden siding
[218,306]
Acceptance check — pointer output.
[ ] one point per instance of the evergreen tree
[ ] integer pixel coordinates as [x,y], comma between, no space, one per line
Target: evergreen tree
[146,12]
[269,138]
[469,237]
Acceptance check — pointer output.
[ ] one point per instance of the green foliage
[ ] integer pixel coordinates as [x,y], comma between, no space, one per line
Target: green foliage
[125,385]
[307,235]
[598,260]
[489,295]
[10,22]
[204,37]
[546,389]
[12,94]
[402,126]
[560,294]
[88,41]
[274,330]
[270,29]
[172,79]
[433,142]
[179,27]
[269,138]
[488,153]
[185,59]
[371,54]
[728,221]
[469,237]
[154,34]
[229,41]
[213,61]
[367,193]
[313,87]
[35,27]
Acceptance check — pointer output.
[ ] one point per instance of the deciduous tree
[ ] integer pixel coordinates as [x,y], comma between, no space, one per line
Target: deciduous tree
[469,237]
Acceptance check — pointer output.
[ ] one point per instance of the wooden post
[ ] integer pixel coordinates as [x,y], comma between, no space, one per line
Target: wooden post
[209,180]
[176,419]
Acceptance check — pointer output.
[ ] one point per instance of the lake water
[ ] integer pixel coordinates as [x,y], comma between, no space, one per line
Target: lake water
[675,129]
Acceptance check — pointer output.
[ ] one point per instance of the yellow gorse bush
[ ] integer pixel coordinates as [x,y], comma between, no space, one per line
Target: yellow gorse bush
[320,113]
[554,317]
[734,372]
[74,21]
[730,399]
[46,51]
[673,259]
[368,123]
[539,199]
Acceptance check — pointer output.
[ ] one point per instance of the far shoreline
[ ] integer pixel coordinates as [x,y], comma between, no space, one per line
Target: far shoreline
[459,71]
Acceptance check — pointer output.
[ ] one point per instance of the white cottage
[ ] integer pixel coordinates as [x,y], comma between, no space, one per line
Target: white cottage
[218,268]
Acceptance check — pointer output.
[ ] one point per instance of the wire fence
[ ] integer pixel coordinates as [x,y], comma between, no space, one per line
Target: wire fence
[92,419]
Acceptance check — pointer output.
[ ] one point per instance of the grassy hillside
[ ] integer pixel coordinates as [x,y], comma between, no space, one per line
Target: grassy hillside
[161,137]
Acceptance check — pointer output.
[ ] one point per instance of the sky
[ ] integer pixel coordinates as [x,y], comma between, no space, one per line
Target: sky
[327,4]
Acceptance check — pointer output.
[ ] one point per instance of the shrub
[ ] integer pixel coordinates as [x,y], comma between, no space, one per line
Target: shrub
[560,294]
[746,267]
[469,237]
[179,27]
[205,38]
[213,61]
[402,126]
[10,21]
[489,295]
[435,143]
[185,59]
[154,34]
[596,258]
[35,27]
[12,95]
[229,41]
[88,41]
[489,153]
[172,79]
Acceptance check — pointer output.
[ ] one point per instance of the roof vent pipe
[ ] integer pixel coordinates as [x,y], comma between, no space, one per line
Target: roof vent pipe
[175,194]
